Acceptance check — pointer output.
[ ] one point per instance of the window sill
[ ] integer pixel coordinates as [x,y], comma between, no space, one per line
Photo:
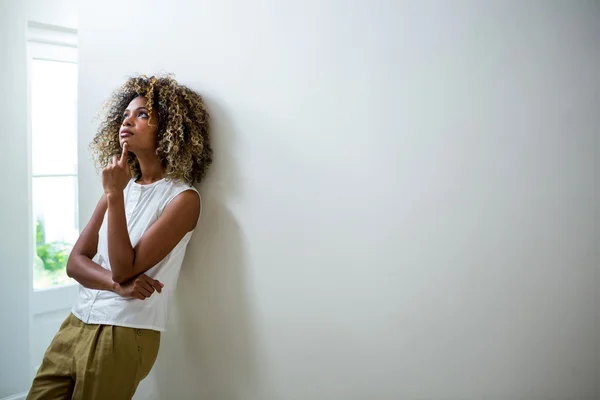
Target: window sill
[53,298]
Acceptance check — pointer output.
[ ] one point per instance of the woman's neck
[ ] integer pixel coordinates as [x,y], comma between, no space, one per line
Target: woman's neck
[151,170]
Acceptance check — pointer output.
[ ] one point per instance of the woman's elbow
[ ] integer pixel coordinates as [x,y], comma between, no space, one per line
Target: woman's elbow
[119,278]
[70,265]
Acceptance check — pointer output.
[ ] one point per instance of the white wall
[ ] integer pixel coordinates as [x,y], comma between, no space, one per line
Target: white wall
[14,198]
[404,198]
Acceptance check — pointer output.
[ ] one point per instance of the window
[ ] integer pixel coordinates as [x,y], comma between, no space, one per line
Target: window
[53,126]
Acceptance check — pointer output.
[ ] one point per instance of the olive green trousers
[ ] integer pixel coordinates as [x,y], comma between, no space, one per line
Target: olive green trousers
[90,361]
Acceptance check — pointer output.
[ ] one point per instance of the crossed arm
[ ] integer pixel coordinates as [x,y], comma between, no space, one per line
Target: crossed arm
[127,262]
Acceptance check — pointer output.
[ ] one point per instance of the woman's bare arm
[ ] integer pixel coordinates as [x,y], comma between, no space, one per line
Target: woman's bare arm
[80,265]
[177,219]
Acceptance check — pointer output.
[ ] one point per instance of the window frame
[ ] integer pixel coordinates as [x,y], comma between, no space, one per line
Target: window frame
[59,44]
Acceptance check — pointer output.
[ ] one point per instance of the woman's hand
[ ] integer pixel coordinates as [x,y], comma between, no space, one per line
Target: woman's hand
[140,287]
[117,174]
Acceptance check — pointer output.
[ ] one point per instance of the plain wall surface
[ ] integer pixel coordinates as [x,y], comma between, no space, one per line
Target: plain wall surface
[15,260]
[404,199]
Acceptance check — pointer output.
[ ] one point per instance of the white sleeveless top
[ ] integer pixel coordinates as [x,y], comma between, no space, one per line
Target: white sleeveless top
[144,204]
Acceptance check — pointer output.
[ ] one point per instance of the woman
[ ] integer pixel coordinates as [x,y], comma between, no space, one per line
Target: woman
[153,145]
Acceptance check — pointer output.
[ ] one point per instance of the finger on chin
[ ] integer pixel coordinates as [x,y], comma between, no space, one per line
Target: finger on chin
[125,152]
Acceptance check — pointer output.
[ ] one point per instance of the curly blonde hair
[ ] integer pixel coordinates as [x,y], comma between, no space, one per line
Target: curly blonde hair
[183,127]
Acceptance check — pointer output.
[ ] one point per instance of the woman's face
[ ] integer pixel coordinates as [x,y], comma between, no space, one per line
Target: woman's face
[139,128]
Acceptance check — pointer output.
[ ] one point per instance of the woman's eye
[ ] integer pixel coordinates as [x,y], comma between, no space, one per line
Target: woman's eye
[125,116]
[143,114]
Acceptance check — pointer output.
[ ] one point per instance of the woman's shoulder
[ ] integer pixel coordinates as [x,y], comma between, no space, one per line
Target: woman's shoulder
[179,185]
[173,188]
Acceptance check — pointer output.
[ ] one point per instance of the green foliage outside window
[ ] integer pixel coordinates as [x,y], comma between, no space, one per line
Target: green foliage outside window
[53,254]
[50,260]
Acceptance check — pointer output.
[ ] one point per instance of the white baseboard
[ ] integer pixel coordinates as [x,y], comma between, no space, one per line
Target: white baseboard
[20,396]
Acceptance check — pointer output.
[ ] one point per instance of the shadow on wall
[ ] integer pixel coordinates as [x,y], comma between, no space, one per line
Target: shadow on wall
[208,352]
